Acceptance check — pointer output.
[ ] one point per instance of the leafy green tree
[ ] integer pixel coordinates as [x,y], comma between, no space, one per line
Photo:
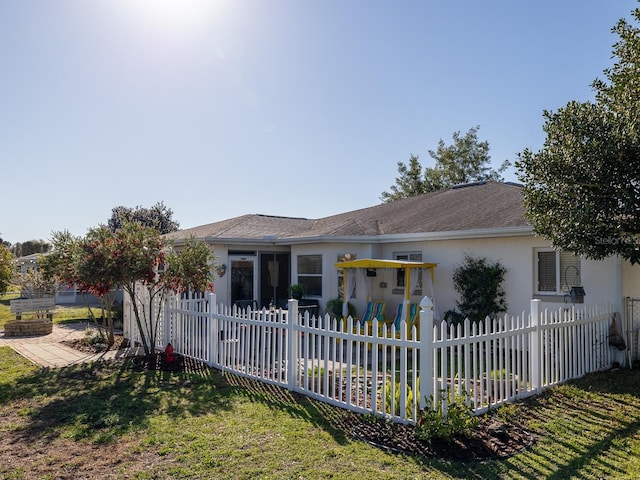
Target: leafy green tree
[30,247]
[158,217]
[582,189]
[410,182]
[466,160]
[6,268]
[479,284]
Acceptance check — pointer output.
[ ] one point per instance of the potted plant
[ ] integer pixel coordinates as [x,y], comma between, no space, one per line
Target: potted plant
[296,291]
[334,308]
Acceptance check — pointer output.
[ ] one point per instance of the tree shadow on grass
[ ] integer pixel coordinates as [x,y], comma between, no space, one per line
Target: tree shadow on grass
[294,404]
[585,432]
[106,400]
[581,426]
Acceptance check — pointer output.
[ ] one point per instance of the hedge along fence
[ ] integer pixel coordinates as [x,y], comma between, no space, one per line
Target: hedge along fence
[385,372]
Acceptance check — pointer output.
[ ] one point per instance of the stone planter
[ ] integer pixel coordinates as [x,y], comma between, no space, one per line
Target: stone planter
[28,328]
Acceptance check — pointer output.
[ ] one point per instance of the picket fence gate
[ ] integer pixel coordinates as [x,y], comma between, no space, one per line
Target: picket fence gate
[378,370]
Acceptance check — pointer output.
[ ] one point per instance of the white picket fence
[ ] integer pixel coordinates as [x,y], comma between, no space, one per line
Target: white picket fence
[384,372]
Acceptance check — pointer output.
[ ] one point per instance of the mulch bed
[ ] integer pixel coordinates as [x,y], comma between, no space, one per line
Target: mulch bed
[490,439]
[81,345]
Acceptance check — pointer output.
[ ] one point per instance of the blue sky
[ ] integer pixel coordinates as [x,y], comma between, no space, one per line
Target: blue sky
[280,107]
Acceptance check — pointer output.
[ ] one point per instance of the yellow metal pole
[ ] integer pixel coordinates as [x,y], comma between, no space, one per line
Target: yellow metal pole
[407,294]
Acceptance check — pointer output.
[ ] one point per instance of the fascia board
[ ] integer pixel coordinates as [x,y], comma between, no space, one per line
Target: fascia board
[391,238]
[414,237]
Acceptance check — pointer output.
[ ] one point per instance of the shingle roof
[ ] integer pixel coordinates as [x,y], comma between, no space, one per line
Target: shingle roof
[479,206]
[469,207]
[247,227]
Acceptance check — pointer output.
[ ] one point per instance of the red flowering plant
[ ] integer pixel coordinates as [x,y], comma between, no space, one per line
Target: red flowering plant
[138,250]
[129,258]
[189,268]
[86,262]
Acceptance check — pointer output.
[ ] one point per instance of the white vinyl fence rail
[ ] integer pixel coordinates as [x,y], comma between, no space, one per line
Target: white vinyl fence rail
[381,371]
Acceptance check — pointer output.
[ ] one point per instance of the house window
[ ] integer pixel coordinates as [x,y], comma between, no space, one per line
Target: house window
[310,274]
[556,272]
[400,274]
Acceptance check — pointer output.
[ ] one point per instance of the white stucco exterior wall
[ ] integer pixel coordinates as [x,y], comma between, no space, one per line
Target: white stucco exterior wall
[606,281]
[601,279]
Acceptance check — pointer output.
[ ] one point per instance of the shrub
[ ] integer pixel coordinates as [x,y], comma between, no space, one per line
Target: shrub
[479,284]
[433,422]
[93,336]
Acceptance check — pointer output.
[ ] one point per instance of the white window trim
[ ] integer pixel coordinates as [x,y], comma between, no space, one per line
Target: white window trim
[559,292]
[310,275]
[407,256]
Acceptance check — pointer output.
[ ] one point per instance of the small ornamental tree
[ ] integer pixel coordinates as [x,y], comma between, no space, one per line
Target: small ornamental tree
[91,264]
[129,259]
[6,268]
[189,268]
[479,284]
[139,250]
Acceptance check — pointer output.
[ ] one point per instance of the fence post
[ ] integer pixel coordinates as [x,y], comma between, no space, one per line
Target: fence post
[214,333]
[292,344]
[426,350]
[535,354]
[166,319]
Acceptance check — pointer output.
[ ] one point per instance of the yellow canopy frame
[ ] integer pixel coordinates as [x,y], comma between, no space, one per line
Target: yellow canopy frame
[368,263]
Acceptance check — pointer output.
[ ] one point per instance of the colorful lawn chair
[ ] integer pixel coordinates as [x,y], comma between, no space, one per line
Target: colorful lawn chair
[400,317]
[374,310]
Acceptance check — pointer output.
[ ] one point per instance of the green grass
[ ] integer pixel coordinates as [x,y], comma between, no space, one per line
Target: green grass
[200,424]
[62,314]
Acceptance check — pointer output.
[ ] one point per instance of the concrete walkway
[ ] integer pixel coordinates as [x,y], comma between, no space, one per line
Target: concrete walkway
[48,351]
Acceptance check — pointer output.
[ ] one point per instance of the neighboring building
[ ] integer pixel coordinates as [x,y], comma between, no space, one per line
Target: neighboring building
[66,295]
[262,255]
[26,263]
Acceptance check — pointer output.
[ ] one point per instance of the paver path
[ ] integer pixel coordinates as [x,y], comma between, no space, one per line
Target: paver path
[48,351]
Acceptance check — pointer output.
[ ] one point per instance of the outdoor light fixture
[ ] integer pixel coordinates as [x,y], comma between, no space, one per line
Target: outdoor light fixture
[221,269]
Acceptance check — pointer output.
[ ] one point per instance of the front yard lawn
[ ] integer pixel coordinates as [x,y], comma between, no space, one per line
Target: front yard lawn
[108,420]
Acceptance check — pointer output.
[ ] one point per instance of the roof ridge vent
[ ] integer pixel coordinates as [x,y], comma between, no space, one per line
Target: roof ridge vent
[469,184]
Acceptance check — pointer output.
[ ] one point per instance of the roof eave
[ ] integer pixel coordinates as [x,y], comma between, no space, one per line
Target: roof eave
[520,231]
